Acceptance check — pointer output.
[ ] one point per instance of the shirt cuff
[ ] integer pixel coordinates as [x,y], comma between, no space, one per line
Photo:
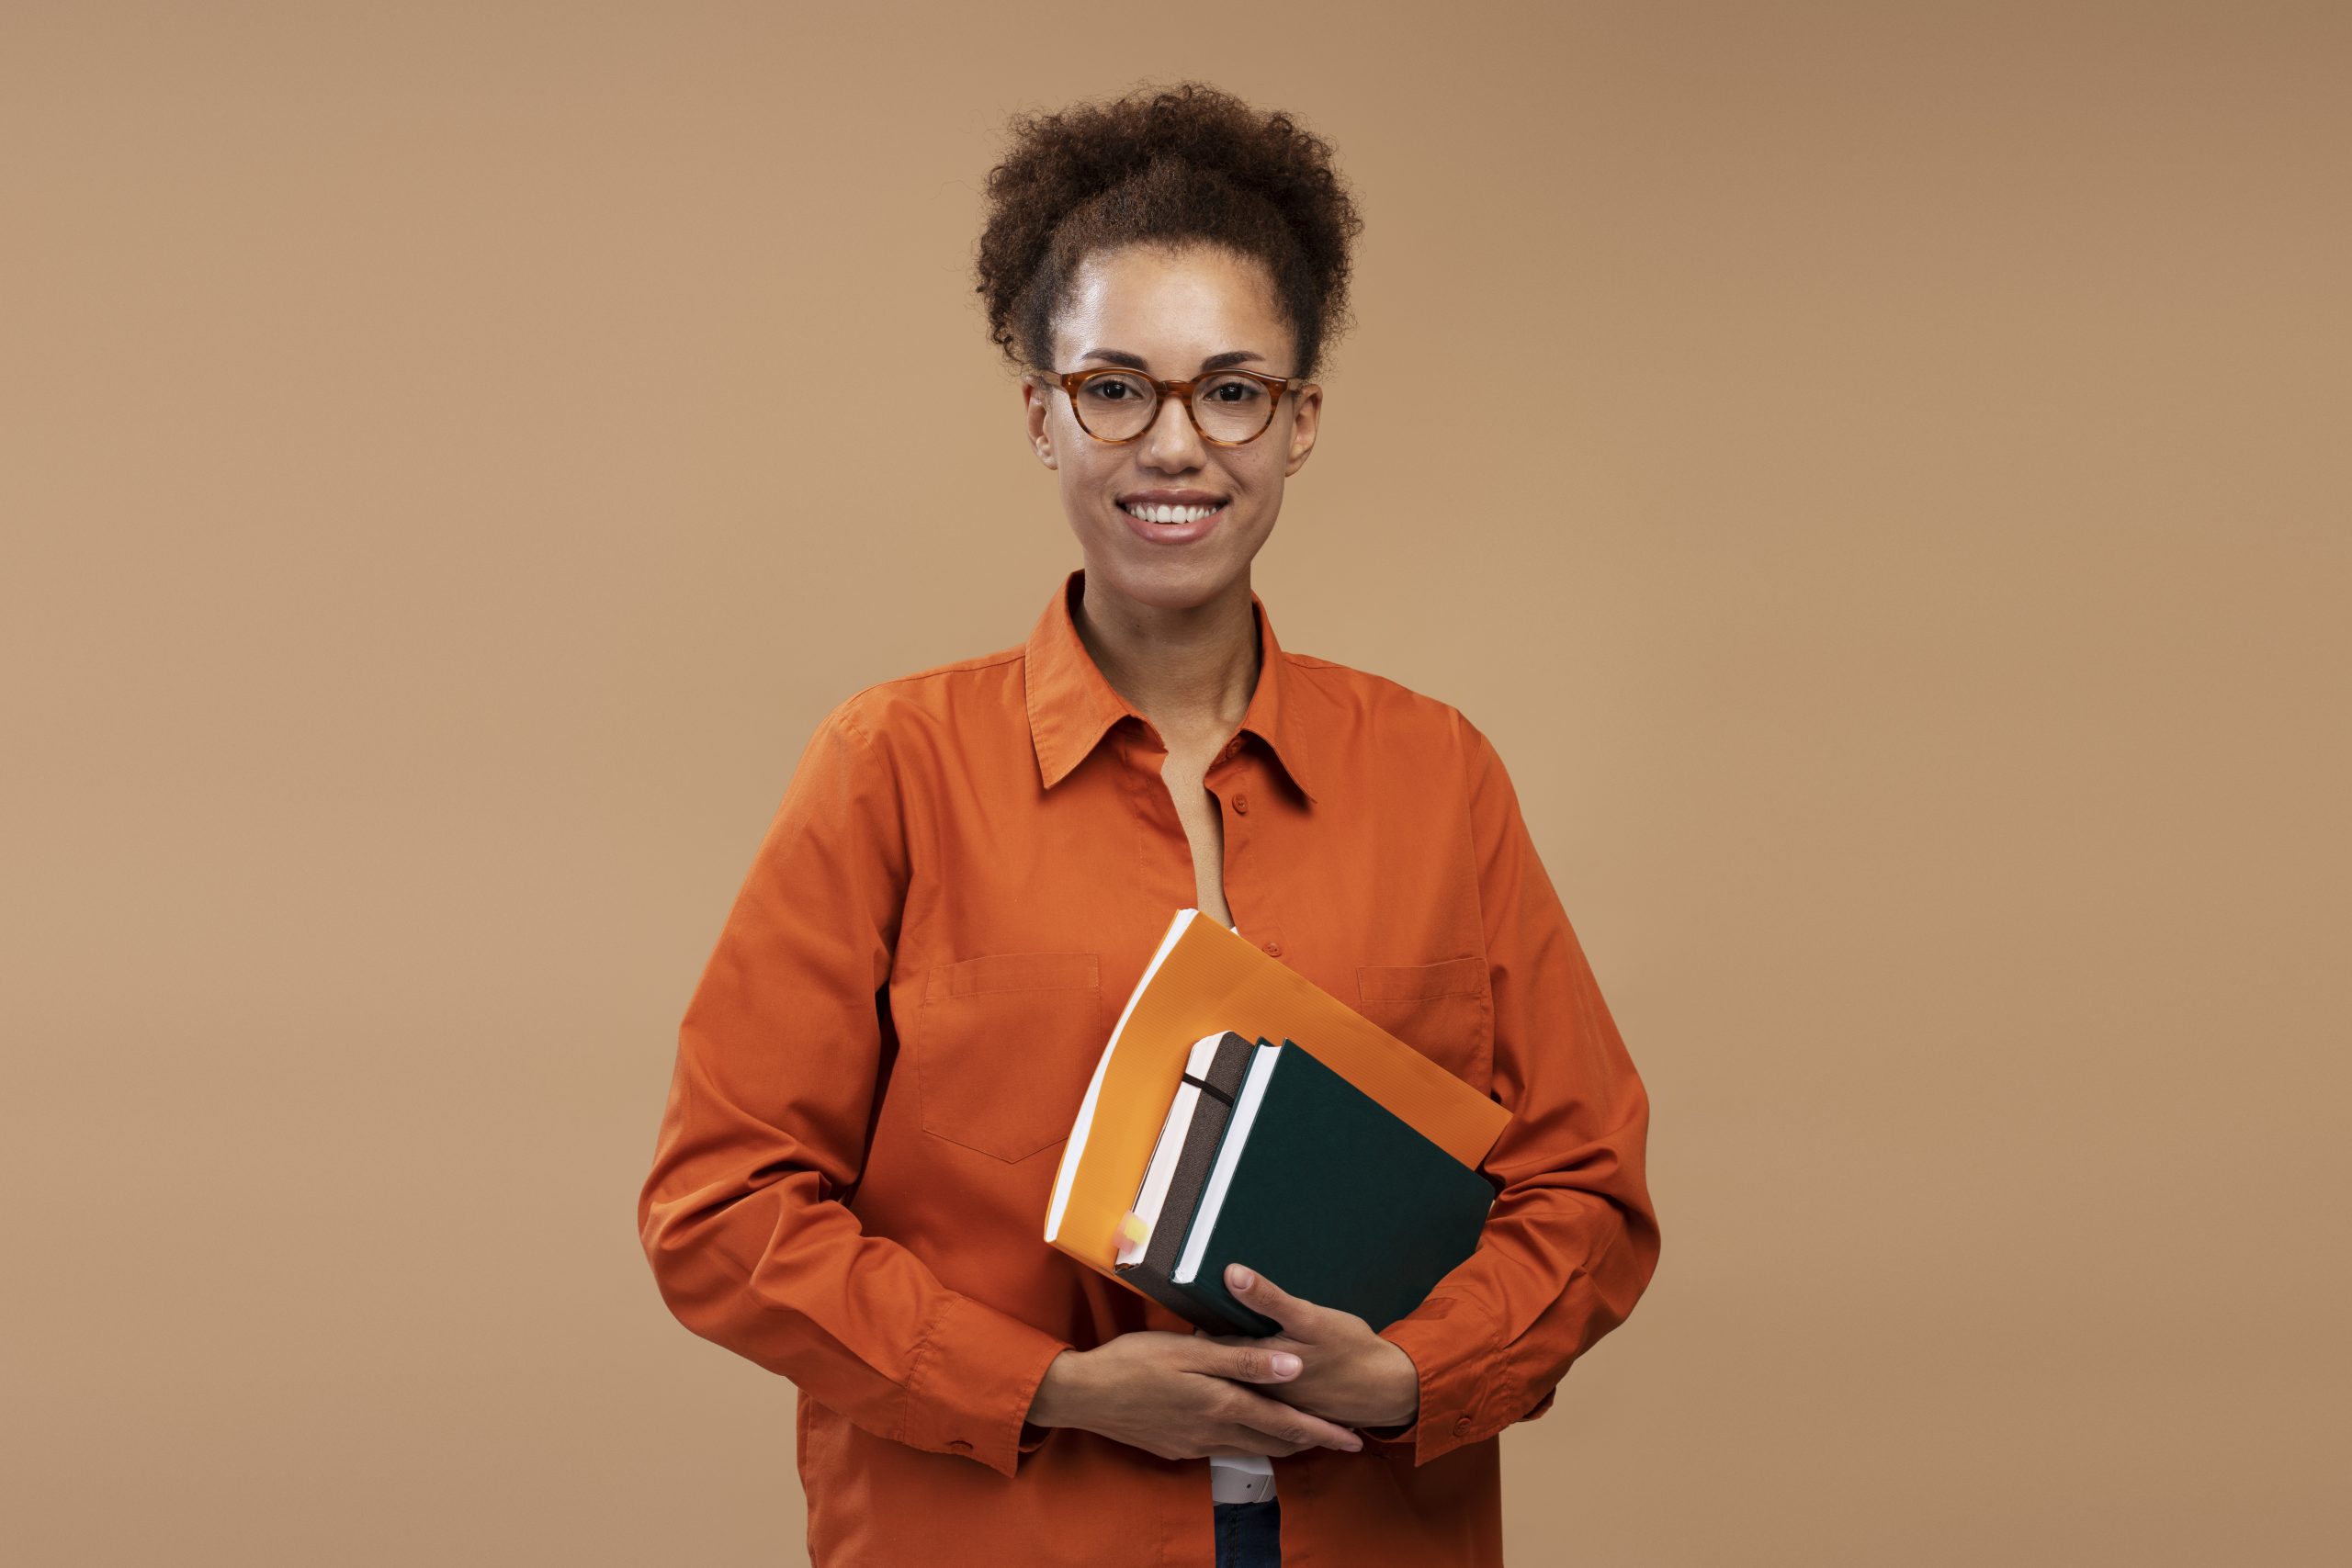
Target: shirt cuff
[970,1381]
[1454,1351]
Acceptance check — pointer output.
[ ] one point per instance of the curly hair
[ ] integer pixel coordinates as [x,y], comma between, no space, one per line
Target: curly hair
[1182,164]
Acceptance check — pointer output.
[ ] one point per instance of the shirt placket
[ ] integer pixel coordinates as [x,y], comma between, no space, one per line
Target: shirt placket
[1165,869]
[1237,782]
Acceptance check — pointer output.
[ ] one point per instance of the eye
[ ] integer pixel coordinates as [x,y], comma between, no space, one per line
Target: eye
[1233,391]
[1115,389]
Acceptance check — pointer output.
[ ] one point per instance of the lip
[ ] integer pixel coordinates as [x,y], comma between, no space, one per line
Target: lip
[1173,533]
[1172,497]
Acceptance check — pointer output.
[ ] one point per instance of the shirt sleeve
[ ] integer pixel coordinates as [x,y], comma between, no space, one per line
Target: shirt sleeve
[766,1127]
[1573,1237]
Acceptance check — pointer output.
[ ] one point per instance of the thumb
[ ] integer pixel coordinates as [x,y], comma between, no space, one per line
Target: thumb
[1293,1314]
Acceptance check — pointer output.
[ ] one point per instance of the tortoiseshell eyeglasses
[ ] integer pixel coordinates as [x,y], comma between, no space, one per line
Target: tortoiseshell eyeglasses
[1229,408]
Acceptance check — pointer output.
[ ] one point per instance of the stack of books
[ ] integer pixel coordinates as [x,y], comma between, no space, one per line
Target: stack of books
[1341,1161]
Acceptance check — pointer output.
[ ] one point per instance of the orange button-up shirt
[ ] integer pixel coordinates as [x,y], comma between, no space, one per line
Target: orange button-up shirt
[876,1074]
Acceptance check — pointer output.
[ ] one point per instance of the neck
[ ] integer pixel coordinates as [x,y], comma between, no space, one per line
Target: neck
[1191,669]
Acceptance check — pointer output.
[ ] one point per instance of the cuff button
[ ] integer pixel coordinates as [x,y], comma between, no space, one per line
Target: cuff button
[959,1445]
[1461,1423]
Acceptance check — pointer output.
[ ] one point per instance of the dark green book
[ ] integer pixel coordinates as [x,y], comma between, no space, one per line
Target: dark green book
[1329,1193]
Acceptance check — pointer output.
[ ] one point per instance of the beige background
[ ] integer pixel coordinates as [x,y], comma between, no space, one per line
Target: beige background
[1900,549]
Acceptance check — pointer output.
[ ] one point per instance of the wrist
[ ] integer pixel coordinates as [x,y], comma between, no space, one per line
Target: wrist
[1049,1406]
[1404,1378]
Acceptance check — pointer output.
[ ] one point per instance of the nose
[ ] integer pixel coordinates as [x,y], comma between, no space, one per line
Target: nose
[1172,445]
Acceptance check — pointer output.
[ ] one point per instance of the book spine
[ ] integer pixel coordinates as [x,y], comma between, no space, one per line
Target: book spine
[1213,1304]
[1143,1277]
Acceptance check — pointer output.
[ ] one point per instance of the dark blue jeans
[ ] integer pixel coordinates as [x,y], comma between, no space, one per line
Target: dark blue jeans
[1249,1535]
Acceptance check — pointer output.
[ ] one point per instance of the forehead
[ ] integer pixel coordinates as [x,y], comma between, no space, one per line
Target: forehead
[1174,307]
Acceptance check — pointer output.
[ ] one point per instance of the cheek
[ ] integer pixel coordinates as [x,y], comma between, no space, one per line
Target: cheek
[1258,477]
[1089,463]
[1089,472]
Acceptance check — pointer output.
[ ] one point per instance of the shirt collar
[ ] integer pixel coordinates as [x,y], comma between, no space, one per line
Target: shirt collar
[1072,706]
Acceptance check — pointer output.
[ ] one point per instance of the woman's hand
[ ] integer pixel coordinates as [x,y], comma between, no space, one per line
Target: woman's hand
[1348,1373]
[1180,1396]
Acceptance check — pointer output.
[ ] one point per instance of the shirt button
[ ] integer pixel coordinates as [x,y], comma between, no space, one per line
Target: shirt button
[1241,804]
[1275,949]
[1461,1423]
[959,1445]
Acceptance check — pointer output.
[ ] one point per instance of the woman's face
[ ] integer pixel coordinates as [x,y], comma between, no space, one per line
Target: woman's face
[1171,314]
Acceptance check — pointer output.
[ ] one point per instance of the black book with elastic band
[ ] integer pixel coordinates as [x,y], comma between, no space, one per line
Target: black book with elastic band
[1215,1087]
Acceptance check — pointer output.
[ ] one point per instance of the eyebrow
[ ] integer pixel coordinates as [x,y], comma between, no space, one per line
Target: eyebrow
[1134,361]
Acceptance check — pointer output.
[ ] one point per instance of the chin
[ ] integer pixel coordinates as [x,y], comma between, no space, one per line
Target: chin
[1169,582]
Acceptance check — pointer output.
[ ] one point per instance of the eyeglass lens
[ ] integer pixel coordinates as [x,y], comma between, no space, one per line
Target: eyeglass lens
[1229,408]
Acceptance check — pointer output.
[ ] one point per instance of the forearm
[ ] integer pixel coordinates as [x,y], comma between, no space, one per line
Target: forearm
[865,1327]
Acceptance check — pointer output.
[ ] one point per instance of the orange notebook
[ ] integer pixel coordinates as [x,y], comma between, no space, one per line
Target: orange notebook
[1203,980]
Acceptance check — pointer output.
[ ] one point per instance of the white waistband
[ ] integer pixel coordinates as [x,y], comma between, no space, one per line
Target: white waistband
[1241,1478]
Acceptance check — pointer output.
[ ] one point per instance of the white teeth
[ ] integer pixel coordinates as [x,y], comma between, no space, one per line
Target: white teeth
[1170,514]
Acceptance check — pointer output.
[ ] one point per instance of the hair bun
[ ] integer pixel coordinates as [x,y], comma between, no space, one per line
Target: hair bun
[1168,165]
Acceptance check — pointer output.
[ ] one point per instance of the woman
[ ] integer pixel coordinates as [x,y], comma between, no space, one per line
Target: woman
[970,869]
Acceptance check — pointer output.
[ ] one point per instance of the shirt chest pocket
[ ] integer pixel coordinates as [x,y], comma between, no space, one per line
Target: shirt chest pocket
[1004,1046]
[1444,1011]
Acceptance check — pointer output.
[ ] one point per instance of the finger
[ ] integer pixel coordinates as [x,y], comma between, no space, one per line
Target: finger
[1289,1424]
[1251,1361]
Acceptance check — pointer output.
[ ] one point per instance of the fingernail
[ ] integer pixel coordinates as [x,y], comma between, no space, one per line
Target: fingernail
[1285,1363]
[1242,1278]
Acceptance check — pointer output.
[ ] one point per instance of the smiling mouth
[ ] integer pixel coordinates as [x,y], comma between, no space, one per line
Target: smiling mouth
[1167,514]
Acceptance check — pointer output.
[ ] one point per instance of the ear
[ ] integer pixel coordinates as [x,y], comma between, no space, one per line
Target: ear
[1306,420]
[1036,403]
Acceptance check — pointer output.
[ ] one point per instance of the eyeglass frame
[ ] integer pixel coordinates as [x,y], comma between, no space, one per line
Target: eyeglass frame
[1070,381]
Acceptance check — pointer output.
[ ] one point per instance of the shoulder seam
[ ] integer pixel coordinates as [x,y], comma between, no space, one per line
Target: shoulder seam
[955,667]
[1309,661]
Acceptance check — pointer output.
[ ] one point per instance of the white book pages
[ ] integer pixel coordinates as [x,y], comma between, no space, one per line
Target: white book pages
[1075,1150]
